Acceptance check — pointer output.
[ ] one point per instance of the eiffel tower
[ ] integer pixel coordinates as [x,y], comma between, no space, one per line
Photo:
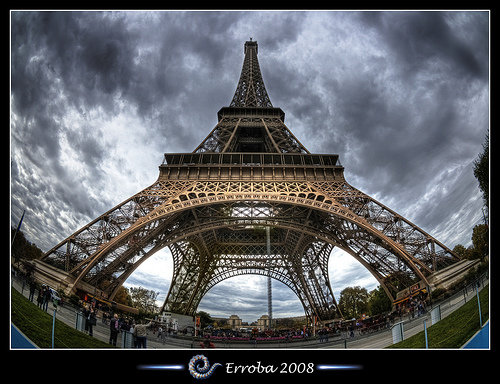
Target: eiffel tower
[211,207]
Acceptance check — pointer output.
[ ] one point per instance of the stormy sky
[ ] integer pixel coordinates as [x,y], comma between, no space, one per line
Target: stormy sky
[97,98]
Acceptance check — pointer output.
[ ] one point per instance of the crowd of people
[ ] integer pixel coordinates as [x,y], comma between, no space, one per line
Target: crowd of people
[264,335]
[44,294]
[413,307]
[117,324]
[347,329]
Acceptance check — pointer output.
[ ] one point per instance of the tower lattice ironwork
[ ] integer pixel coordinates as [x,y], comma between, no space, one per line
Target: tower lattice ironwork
[211,207]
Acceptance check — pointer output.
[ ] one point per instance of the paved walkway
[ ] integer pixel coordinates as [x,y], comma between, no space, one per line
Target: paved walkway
[377,340]
[411,326]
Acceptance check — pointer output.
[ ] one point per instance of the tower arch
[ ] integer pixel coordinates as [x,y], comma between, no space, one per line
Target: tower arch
[198,266]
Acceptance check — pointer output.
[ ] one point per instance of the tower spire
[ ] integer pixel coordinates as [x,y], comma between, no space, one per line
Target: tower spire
[251,123]
[251,91]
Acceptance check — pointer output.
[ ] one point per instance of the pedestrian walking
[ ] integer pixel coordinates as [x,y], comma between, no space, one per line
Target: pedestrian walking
[113,330]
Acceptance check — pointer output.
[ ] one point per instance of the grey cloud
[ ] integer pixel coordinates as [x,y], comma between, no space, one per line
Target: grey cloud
[397,119]
[156,283]
[235,297]
[417,37]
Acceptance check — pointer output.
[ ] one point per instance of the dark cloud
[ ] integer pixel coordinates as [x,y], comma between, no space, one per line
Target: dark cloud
[415,38]
[98,97]
[403,112]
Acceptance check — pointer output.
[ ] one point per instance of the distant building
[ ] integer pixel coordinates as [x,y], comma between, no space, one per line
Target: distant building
[263,323]
[234,322]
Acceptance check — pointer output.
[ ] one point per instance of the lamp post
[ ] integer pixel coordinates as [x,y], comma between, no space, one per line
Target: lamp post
[269,282]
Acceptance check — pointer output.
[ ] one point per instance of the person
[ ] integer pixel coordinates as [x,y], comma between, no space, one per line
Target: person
[207,343]
[39,299]
[131,330]
[321,335]
[32,289]
[46,298]
[125,326]
[113,328]
[140,333]
[86,312]
[92,320]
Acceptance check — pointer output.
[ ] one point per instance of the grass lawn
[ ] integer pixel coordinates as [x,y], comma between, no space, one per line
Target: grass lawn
[455,329]
[37,326]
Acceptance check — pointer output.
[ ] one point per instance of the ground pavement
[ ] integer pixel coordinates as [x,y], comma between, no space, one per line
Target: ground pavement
[378,340]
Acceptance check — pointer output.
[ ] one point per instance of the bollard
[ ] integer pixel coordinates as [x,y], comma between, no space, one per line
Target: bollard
[53,326]
[436,314]
[479,306]
[425,332]
[397,333]
[127,339]
[80,321]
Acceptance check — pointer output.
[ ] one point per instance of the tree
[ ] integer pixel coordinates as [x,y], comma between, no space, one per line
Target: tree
[353,301]
[205,319]
[481,170]
[144,299]
[460,251]
[22,248]
[480,240]
[123,296]
[379,302]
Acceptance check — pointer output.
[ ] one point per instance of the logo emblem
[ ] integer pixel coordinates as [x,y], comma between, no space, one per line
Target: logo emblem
[199,371]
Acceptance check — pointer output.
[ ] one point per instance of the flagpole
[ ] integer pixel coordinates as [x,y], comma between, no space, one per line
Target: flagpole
[18,227]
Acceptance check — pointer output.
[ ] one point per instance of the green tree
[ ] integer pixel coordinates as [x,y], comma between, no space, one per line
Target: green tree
[144,299]
[460,251]
[463,253]
[123,296]
[205,319]
[481,170]
[379,302]
[22,248]
[480,240]
[353,301]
